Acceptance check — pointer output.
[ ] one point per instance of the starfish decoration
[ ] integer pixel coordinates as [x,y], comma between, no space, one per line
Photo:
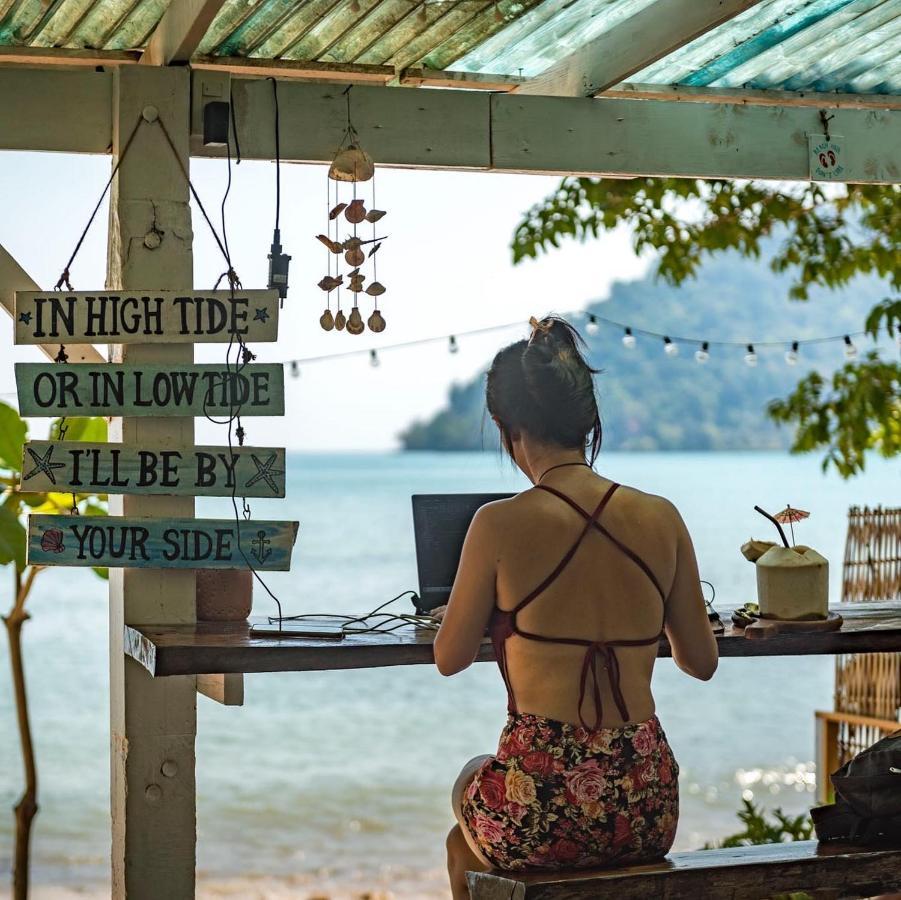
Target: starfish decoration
[261,315]
[43,464]
[25,318]
[265,472]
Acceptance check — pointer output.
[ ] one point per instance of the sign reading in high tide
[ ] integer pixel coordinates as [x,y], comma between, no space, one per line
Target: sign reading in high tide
[139,543]
[88,389]
[104,317]
[127,469]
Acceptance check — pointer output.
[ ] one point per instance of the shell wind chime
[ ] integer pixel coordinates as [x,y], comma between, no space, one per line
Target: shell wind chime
[348,239]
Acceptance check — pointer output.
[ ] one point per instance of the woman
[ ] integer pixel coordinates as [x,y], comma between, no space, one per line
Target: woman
[576,580]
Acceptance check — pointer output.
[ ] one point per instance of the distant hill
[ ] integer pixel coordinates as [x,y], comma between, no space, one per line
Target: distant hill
[653,402]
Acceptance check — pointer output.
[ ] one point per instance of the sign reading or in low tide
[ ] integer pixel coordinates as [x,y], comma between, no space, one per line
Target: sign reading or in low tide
[86,389]
[127,469]
[141,543]
[105,317]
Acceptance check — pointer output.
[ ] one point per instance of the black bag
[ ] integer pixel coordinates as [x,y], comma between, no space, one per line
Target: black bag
[867,806]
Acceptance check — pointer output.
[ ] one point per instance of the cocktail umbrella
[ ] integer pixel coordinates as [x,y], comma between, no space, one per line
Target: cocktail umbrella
[791,515]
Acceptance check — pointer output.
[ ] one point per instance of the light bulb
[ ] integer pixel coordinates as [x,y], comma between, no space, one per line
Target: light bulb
[592,327]
[452,345]
[751,356]
[295,369]
[374,360]
[791,356]
[669,348]
[850,349]
[702,355]
[628,339]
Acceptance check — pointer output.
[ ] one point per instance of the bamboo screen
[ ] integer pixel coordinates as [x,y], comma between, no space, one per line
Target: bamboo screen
[872,555]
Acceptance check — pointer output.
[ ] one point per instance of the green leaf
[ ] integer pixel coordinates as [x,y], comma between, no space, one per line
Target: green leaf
[93,430]
[13,432]
[12,538]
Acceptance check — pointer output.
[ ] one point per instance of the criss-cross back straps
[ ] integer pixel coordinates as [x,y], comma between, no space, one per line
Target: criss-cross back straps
[592,521]
[589,521]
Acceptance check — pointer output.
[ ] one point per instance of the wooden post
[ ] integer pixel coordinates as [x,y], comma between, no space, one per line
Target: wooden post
[152,722]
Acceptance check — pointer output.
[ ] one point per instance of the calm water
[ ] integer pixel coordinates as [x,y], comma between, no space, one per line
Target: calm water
[338,781]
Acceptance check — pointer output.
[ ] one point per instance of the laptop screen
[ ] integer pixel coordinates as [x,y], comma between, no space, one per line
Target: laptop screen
[440,523]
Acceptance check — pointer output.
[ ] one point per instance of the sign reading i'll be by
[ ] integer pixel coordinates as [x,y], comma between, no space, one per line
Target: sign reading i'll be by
[104,317]
[86,389]
[127,469]
[141,543]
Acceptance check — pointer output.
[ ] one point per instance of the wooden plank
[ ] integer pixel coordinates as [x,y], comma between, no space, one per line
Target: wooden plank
[639,40]
[146,317]
[303,70]
[446,78]
[559,135]
[66,56]
[680,93]
[225,689]
[54,109]
[180,31]
[454,129]
[144,543]
[217,647]
[14,278]
[740,872]
[149,390]
[129,469]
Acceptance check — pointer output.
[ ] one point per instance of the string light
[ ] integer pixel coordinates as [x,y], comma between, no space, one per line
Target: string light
[669,348]
[295,369]
[628,339]
[791,356]
[702,355]
[592,327]
[850,349]
[751,356]
[452,345]
[374,360]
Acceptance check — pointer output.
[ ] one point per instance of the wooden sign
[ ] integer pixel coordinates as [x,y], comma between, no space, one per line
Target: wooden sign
[127,469]
[141,317]
[85,389]
[138,543]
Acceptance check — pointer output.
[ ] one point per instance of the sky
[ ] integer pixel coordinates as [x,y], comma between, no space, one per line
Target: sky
[446,265]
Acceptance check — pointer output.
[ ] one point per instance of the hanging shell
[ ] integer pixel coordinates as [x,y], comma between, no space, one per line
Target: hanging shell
[327,320]
[334,246]
[330,282]
[340,320]
[376,322]
[376,289]
[356,283]
[355,257]
[374,250]
[355,322]
[353,243]
[336,211]
[351,164]
[375,214]
[356,212]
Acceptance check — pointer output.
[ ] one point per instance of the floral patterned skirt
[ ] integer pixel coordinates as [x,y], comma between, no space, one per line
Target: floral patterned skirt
[560,796]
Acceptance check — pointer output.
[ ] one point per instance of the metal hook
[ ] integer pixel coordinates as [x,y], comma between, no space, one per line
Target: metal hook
[826,119]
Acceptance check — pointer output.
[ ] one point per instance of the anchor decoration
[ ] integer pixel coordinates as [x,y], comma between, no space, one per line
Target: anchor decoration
[259,547]
[351,165]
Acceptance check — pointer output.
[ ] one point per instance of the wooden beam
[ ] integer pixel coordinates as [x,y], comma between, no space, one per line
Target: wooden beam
[225,689]
[55,109]
[473,81]
[14,278]
[679,93]
[454,129]
[180,31]
[65,56]
[323,72]
[650,34]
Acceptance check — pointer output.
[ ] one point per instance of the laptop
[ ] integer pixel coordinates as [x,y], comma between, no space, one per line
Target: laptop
[440,523]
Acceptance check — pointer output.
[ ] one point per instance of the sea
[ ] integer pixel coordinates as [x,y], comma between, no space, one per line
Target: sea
[336,784]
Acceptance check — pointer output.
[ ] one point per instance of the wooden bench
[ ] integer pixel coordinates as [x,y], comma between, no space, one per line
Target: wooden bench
[744,873]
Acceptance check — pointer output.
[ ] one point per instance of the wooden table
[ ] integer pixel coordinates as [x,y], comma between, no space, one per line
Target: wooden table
[223,648]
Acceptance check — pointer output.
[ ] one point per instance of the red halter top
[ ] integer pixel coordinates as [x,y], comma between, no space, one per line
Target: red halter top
[503,622]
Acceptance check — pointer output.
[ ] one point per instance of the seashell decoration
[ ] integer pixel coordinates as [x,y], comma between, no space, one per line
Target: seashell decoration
[352,166]
[355,322]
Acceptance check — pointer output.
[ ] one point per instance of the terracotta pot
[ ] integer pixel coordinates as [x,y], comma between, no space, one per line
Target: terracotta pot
[224,595]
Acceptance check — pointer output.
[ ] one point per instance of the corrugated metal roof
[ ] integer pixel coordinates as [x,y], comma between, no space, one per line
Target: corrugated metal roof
[850,46]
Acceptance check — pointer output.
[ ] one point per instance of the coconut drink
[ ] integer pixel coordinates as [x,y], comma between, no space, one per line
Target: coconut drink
[792,580]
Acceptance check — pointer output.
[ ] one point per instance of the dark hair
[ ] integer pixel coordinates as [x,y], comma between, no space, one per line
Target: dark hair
[545,387]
